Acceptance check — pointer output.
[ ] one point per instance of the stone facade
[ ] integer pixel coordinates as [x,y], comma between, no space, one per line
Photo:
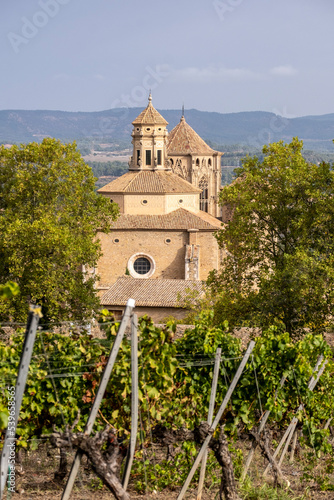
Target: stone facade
[193,160]
[166,249]
[162,234]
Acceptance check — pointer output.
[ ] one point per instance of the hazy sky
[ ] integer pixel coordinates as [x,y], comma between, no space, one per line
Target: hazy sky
[213,55]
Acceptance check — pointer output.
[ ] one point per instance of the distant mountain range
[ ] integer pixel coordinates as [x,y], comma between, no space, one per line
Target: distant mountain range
[253,128]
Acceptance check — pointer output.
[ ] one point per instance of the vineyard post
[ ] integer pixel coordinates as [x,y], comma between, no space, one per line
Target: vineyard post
[134,400]
[289,432]
[301,407]
[293,446]
[27,349]
[217,419]
[210,417]
[261,428]
[288,439]
[328,423]
[99,395]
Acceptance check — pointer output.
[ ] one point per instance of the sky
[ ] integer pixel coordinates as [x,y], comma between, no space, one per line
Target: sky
[213,55]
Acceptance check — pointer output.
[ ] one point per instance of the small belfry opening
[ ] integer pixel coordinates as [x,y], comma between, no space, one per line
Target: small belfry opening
[148,158]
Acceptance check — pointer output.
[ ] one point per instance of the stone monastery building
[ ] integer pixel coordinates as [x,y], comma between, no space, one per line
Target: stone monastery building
[162,244]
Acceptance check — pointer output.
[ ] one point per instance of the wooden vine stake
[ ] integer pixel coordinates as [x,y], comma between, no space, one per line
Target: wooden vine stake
[216,420]
[134,400]
[290,430]
[28,345]
[209,420]
[293,446]
[99,395]
[261,428]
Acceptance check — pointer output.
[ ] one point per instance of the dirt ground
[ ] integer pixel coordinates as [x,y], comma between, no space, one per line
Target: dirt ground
[35,480]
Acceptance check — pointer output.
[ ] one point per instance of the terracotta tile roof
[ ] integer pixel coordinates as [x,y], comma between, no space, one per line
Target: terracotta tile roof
[180,219]
[150,116]
[150,292]
[149,181]
[183,140]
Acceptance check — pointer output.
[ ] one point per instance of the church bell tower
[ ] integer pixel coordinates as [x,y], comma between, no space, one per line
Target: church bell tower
[149,139]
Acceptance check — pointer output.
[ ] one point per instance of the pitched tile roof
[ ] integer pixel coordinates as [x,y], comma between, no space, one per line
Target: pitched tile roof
[180,219]
[150,116]
[149,181]
[183,140]
[150,292]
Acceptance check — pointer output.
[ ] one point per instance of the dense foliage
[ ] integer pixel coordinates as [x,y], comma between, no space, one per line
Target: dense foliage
[174,380]
[65,372]
[49,217]
[279,243]
[8,290]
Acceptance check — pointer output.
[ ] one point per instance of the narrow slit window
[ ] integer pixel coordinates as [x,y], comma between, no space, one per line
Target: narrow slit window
[148,157]
[204,196]
[159,152]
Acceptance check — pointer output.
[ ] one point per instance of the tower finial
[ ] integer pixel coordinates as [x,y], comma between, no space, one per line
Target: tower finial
[182,117]
[150,97]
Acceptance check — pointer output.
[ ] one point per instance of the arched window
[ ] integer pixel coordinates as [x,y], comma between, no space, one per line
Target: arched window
[204,196]
[209,162]
[197,162]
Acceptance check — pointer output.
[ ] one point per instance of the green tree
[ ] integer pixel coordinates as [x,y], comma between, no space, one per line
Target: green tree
[49,218]
[279,242]
[8,290]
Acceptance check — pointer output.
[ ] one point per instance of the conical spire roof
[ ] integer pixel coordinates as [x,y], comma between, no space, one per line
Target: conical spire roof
[183,140]
[150,116]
